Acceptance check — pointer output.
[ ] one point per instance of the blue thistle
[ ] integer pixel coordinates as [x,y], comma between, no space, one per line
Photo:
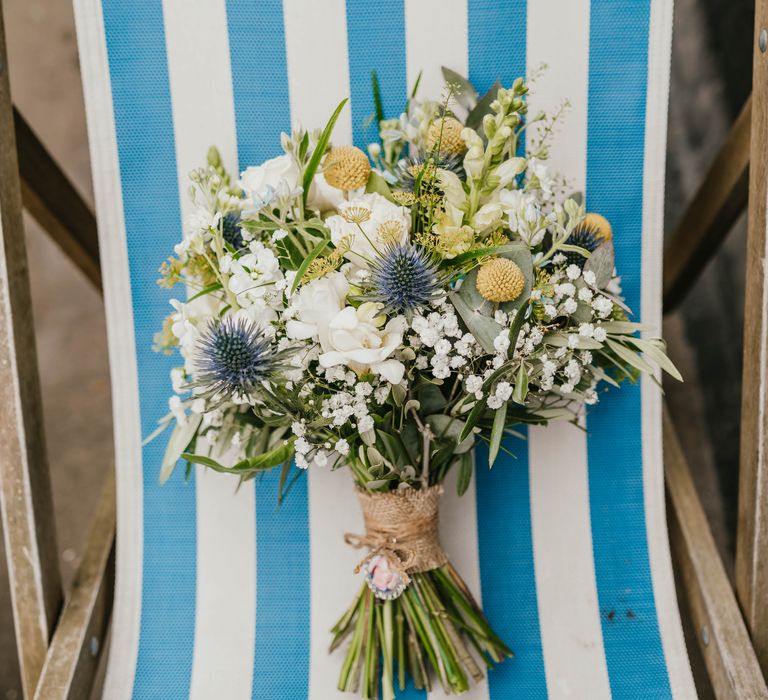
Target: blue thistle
[230,229]
[583,237]
[409,169]
[404,278]
[234,357]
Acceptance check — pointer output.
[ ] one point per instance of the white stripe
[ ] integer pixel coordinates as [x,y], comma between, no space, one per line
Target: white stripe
[458,535]
[435,36]
[225,606]
[569,614]
[333,510]
[318,73]
[318,79]
[124,644]
[668,615]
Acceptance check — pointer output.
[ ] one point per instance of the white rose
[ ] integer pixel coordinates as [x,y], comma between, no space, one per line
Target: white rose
[358,341]
[366,235]
[322,197]
[258,179]
[315,305]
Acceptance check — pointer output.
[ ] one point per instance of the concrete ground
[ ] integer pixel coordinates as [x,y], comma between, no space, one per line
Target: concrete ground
[710,79]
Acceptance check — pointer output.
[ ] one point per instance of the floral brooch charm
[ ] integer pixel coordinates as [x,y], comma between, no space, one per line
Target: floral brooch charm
[385,583]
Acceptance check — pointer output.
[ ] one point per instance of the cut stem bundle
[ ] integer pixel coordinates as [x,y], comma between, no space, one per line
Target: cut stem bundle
[435,628]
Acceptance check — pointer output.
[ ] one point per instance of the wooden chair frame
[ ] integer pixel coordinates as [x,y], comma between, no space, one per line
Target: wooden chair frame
[60,638]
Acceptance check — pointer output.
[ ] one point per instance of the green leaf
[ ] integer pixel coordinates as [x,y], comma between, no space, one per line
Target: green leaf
[624,327]
[379,108]
[629,356]
[451,428]
[459,260]
[601,262]
[483,107]
[521,385]
[497,433]
[472,418]
[482,326]
[319,248]
[180,438]
[414,91]
[465,473]
[657,355]
[215,287]
[205,461]
[376,183]
[467,97]
[319,152]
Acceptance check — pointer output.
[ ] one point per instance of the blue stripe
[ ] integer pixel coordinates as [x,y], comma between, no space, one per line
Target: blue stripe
[259,78]
[375,40]
[145,141]
[497,51]
[615,147]
[506,570]
[497,42]
[262,111]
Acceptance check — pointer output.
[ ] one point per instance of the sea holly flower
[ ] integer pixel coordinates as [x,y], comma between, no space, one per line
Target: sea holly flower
[404,278]
[233,358]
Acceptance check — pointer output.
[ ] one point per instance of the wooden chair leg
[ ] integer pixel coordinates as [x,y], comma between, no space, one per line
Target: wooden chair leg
[25,489]
[752,535]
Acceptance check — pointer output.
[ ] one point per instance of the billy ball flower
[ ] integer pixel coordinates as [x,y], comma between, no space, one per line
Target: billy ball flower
[500,280]
[346,168]
[404,278]
[234,357]
[445,134]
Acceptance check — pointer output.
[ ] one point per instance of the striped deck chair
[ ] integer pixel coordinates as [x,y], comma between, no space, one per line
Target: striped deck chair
[223,595]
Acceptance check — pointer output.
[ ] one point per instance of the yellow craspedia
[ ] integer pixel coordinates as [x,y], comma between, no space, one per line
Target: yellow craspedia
[446,132]
[500,280]
[346,168]
[598,225]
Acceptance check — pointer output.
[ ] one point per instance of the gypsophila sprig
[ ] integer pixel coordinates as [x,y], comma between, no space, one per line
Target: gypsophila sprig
[384,314]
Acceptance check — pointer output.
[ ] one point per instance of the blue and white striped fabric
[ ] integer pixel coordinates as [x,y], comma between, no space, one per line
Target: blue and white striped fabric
[221,595]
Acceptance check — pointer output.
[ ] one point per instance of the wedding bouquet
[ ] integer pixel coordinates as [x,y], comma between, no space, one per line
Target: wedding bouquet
[385,313]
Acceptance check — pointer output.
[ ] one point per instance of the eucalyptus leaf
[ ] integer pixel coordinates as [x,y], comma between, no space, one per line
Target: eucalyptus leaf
[483,107]
[180,438]
[657,355]
[602,263]
[482,326]
[467,97]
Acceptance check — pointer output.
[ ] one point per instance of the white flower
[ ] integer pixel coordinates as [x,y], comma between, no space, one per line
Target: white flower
[589,277]
[315,305]
[473,383]
[603,306]
[365,236]
[342,447]
[573,272]
[586,330]
[357,340]
[279,235]
[599,334]
[504,391]
[322,196]
[586,294]
[501,341]
[365,424]
[550,310]
[570,305]
[298,429]
[260,180]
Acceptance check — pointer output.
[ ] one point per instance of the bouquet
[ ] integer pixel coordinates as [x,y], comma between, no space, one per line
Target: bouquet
[383,314]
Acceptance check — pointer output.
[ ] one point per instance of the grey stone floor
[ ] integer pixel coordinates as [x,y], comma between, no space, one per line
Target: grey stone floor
[710,79]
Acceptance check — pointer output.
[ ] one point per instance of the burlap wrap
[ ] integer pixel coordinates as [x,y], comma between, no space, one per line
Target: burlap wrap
[401,525]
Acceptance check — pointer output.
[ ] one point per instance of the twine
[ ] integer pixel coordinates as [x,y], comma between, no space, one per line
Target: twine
[402,526]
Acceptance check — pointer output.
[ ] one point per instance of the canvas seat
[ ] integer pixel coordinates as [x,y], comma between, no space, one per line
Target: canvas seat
[223,595]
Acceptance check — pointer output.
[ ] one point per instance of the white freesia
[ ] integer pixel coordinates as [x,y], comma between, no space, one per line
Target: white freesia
[315,305]
[509,170]
[487,217]
[357,340]
[368,237]
[452,187]
[523,215]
